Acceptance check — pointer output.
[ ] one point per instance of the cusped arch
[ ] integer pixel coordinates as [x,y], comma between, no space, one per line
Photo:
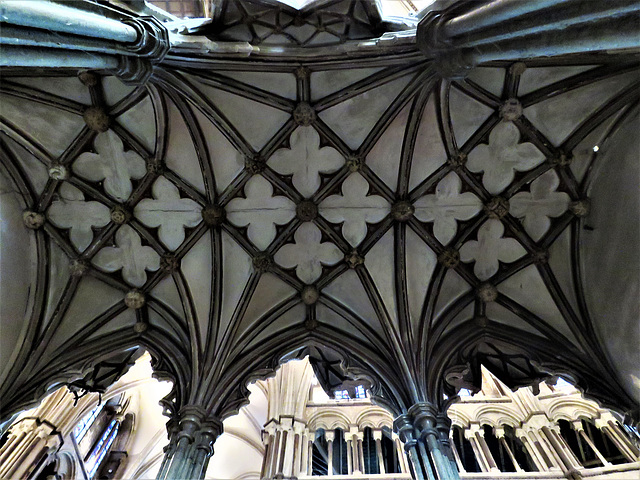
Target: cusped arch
[496,416]
[459,418]
[329,419]
[375,418]
[570,409]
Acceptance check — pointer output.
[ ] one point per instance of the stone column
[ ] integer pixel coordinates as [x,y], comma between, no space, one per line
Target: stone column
[577,426]
[31,441]
[454,450]
[402,455]
[443,426]
[620,439]
[422,468]
[37,435]
[477,449]
[191,444]
[505,445]
[377,436]
[312,436]
[533,452]
[329,437]
[304,452]
[356,455]
[425,422]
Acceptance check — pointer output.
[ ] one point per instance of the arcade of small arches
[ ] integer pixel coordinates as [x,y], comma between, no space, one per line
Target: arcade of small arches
[402,200]
[496,433]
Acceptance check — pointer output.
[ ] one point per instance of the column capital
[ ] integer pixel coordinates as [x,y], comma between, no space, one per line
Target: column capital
[404,427]
[424,417]
[153,38]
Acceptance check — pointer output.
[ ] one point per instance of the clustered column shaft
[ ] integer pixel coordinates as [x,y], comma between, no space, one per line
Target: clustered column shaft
[191,439]
[52,35]
[422,430]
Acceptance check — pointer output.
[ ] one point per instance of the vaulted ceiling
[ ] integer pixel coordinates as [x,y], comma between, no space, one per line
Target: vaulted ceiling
[232,213]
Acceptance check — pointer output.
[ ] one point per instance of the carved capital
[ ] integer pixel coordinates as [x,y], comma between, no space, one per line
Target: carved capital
[153,38]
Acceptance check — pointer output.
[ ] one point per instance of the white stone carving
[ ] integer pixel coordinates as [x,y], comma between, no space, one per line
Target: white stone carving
[169,212]
[130,256]
[261,210]
[503,157]
[447,206]
[73,212]
[111,164]
[490,248]
[307,254]
[541,203]
[354,208]
[305,160]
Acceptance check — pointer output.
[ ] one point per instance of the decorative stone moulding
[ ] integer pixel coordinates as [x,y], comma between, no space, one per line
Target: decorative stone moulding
[305,160]
[213,215]
[459,160]
[128,255]
[304,114]
[96,119]
[140,327]
[306,211]
[78,267]
[32,220]
[153,212]
[119,214]
[354,163]
[262,262]
[254,165]
[112,165]
[261,211]
[354,259]
[541,257]
[580,208]
[354,208]
[511,110]
[308,254]
[497,207]
[169,263]
[134,299]
[450,257]
[487,292]
[402,210]
[58,172]
[562,160]
[155,166]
